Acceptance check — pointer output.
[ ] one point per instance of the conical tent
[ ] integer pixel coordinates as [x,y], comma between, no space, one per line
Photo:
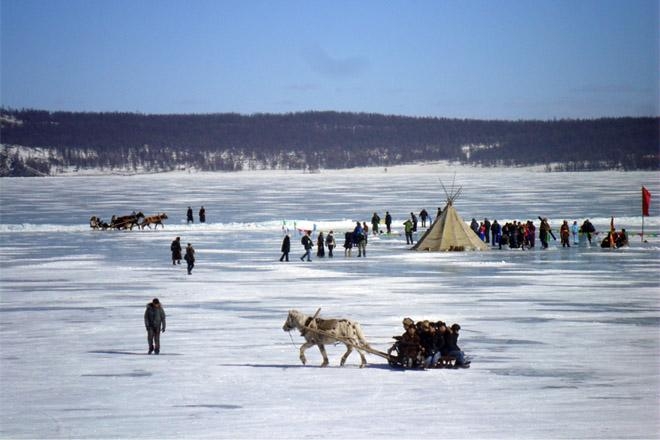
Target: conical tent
[450,233]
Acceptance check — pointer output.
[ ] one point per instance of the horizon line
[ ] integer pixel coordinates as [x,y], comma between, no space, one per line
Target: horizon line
[298,112]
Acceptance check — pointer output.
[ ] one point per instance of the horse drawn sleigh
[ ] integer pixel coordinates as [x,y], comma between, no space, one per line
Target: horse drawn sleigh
[318,331]
[128,221]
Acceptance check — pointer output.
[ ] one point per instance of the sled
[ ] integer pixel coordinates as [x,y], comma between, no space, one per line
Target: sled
[397,360]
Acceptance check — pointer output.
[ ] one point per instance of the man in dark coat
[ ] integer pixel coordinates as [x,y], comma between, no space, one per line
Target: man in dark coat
[496,232]
[487,231]
[428,339]
[202,215]
[154,321]
[308,244]
[320,245]
[452,348]
[474,225]
[190,258]
[175,247]
[388,222]
[544,228]
[189,215]
[423,214]
[588,228]
[375,221]
[409,347]
[286,248]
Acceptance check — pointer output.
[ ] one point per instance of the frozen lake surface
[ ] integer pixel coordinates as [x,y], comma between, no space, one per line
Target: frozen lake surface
[565,343]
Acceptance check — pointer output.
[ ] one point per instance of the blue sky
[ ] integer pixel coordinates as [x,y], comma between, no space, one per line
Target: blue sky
[466,59]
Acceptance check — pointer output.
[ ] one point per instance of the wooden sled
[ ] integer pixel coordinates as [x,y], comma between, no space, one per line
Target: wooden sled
[400,360]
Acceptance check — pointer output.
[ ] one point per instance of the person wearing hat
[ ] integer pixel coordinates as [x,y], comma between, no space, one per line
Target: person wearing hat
[406,345]
[452,348]
[409,346]
[154,321]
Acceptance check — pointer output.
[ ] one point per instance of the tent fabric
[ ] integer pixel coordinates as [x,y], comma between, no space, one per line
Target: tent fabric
[450,233]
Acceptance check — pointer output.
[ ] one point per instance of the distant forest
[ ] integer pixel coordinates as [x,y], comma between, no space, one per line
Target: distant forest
[36,142]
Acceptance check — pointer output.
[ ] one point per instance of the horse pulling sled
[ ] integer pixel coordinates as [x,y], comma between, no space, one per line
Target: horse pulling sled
[318,331]
[129,221]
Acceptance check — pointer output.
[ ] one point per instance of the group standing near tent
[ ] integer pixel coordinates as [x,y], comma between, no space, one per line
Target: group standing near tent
[449,232]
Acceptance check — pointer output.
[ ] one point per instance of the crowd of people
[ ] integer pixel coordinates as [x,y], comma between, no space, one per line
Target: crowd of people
[512,234]
[424,344]
[357,238]
[519,235]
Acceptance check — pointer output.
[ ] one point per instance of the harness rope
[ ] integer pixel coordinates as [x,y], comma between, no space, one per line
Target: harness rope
[291,337]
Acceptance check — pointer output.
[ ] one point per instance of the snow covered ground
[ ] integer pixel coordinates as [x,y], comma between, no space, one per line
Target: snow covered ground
[565,342]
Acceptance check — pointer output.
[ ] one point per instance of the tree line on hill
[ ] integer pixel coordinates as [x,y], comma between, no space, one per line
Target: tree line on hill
[133,142]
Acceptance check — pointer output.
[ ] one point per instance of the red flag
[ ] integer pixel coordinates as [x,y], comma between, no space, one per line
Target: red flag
[646,201]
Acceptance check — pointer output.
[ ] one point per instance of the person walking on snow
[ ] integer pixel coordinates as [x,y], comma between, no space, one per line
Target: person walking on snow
[190,258]
[189,216]
[320,245]
[308,244]
[286,248]
[175,247]
[154,321]
[330,243]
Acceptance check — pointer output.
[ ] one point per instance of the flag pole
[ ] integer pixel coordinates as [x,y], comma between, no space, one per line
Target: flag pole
[642,228]
[646,202]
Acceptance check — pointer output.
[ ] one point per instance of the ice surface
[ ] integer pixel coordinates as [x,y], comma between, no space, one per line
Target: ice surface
[565,342]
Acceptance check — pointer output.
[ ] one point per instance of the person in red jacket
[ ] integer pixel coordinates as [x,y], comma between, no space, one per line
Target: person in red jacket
[565,234]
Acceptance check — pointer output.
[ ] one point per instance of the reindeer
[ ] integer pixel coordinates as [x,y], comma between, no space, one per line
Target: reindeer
[317,331]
